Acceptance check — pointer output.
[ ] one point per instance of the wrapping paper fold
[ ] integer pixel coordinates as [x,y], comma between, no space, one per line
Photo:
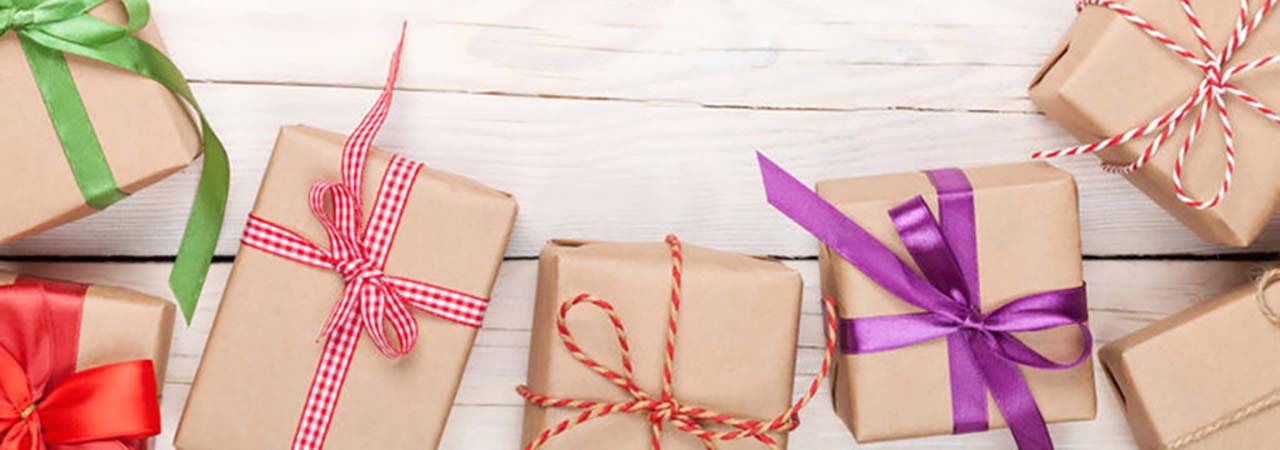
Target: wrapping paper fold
[1028,242]
[263,352]
[1106,76]
[145,131]
[1183,373]
[735,351]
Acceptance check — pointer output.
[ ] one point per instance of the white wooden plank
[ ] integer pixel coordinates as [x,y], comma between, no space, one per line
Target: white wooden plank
[620,170]
[1124,296]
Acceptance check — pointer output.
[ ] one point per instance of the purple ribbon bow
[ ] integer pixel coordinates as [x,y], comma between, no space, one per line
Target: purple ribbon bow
[983,353]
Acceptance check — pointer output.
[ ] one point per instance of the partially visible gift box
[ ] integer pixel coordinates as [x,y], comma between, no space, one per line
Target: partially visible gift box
[1205,378]
[1107,77]
[392,246]
[1003,265]
[734,352]
[91,357]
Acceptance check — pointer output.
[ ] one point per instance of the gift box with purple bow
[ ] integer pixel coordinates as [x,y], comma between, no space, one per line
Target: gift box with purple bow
[960,296]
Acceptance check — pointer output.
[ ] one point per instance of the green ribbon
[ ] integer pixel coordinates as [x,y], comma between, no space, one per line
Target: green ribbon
[49,28]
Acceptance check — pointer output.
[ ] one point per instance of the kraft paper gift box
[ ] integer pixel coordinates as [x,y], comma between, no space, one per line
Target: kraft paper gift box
[262,352]
[145,133]
[1106,76]
[1178,377]
[1028,241]
[116,325]
[734,353]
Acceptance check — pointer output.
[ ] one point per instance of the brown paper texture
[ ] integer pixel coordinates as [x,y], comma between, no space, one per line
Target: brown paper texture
[262,352]
[120,325]
[145,131]
[1028,242]
[1107,76]
[735,350]
[1185,372]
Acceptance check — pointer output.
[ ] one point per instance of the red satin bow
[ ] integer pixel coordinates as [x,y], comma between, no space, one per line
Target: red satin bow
[98,409]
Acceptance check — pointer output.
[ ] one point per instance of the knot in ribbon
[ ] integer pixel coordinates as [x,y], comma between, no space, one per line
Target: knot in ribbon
[1210,94]
[372,300]
[983,352]
[666,408]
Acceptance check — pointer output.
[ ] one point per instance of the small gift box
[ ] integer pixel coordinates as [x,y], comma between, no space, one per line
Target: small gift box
[80,365]
[399,252]
[1134,79]
[708,352]
[930,308]
[1205,378]
[93,111]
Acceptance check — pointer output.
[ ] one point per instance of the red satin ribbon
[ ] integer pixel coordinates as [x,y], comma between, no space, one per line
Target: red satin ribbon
[44,405]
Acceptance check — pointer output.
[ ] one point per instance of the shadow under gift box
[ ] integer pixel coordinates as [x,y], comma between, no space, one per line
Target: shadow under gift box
[735,350]
[1028,242]
[1106,76]
[262,352]
[1185,372]
[145,131]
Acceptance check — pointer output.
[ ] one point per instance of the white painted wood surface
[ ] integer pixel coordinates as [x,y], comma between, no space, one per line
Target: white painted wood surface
[627,119]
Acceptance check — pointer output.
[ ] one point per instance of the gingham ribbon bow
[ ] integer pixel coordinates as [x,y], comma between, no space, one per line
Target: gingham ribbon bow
[1211,93]
[371,299]
[666,409]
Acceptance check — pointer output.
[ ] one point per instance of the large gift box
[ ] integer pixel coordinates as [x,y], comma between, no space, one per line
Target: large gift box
[1205,378]
[929,308]
[734,353]
[89,362]
[1110,77]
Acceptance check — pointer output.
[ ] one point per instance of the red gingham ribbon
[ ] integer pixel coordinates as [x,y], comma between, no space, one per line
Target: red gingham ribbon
[1209,94]
[371,299]
[667,408]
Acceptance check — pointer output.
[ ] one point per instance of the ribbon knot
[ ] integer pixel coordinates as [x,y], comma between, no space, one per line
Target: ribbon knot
[16,19]
[359,269]
[687,419]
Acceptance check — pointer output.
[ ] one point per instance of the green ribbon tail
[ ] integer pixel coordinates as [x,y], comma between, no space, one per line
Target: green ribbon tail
[71,123]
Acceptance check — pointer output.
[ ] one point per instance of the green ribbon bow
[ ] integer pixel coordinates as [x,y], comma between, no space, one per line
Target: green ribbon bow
[49,28]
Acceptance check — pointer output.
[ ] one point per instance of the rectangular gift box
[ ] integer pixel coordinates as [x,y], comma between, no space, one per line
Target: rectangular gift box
[119,325]
[145,131]
[1028,242]
[262,352]
[735,351]
[1186,372]
[1106,76]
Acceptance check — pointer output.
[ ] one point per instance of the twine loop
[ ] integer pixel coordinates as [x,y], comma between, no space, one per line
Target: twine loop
[666,409]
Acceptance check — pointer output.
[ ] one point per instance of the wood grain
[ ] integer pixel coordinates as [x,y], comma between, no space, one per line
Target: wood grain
[1123,295]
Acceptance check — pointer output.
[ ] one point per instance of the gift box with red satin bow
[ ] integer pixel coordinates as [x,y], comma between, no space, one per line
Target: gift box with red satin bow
[80,365]
[1112,74]
[251,391]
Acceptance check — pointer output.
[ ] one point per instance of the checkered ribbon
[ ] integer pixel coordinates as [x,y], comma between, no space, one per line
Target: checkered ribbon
[1210,94]
[371,299]
[666,409]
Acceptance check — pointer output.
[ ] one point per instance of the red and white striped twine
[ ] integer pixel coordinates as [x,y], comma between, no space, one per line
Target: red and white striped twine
[371,299]
[1209,95]
[685,418]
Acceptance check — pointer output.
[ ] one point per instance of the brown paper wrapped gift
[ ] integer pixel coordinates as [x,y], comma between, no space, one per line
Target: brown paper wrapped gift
[145,132]
[1106,76]
[262,352]
[118,325]
[735,350]
[1028,242]
[1186,376]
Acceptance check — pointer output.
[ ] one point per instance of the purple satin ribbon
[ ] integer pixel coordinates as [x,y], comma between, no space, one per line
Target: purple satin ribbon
[983,353]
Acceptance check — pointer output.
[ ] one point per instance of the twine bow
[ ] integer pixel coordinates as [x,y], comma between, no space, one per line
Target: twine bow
[1255,407]
[1210,94]
[371,300]
[666,408]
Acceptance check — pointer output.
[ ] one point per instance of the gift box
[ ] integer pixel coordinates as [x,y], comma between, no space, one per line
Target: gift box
[1204,378]
[734,352]
[92,357]
[923,302]
[1108,77]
